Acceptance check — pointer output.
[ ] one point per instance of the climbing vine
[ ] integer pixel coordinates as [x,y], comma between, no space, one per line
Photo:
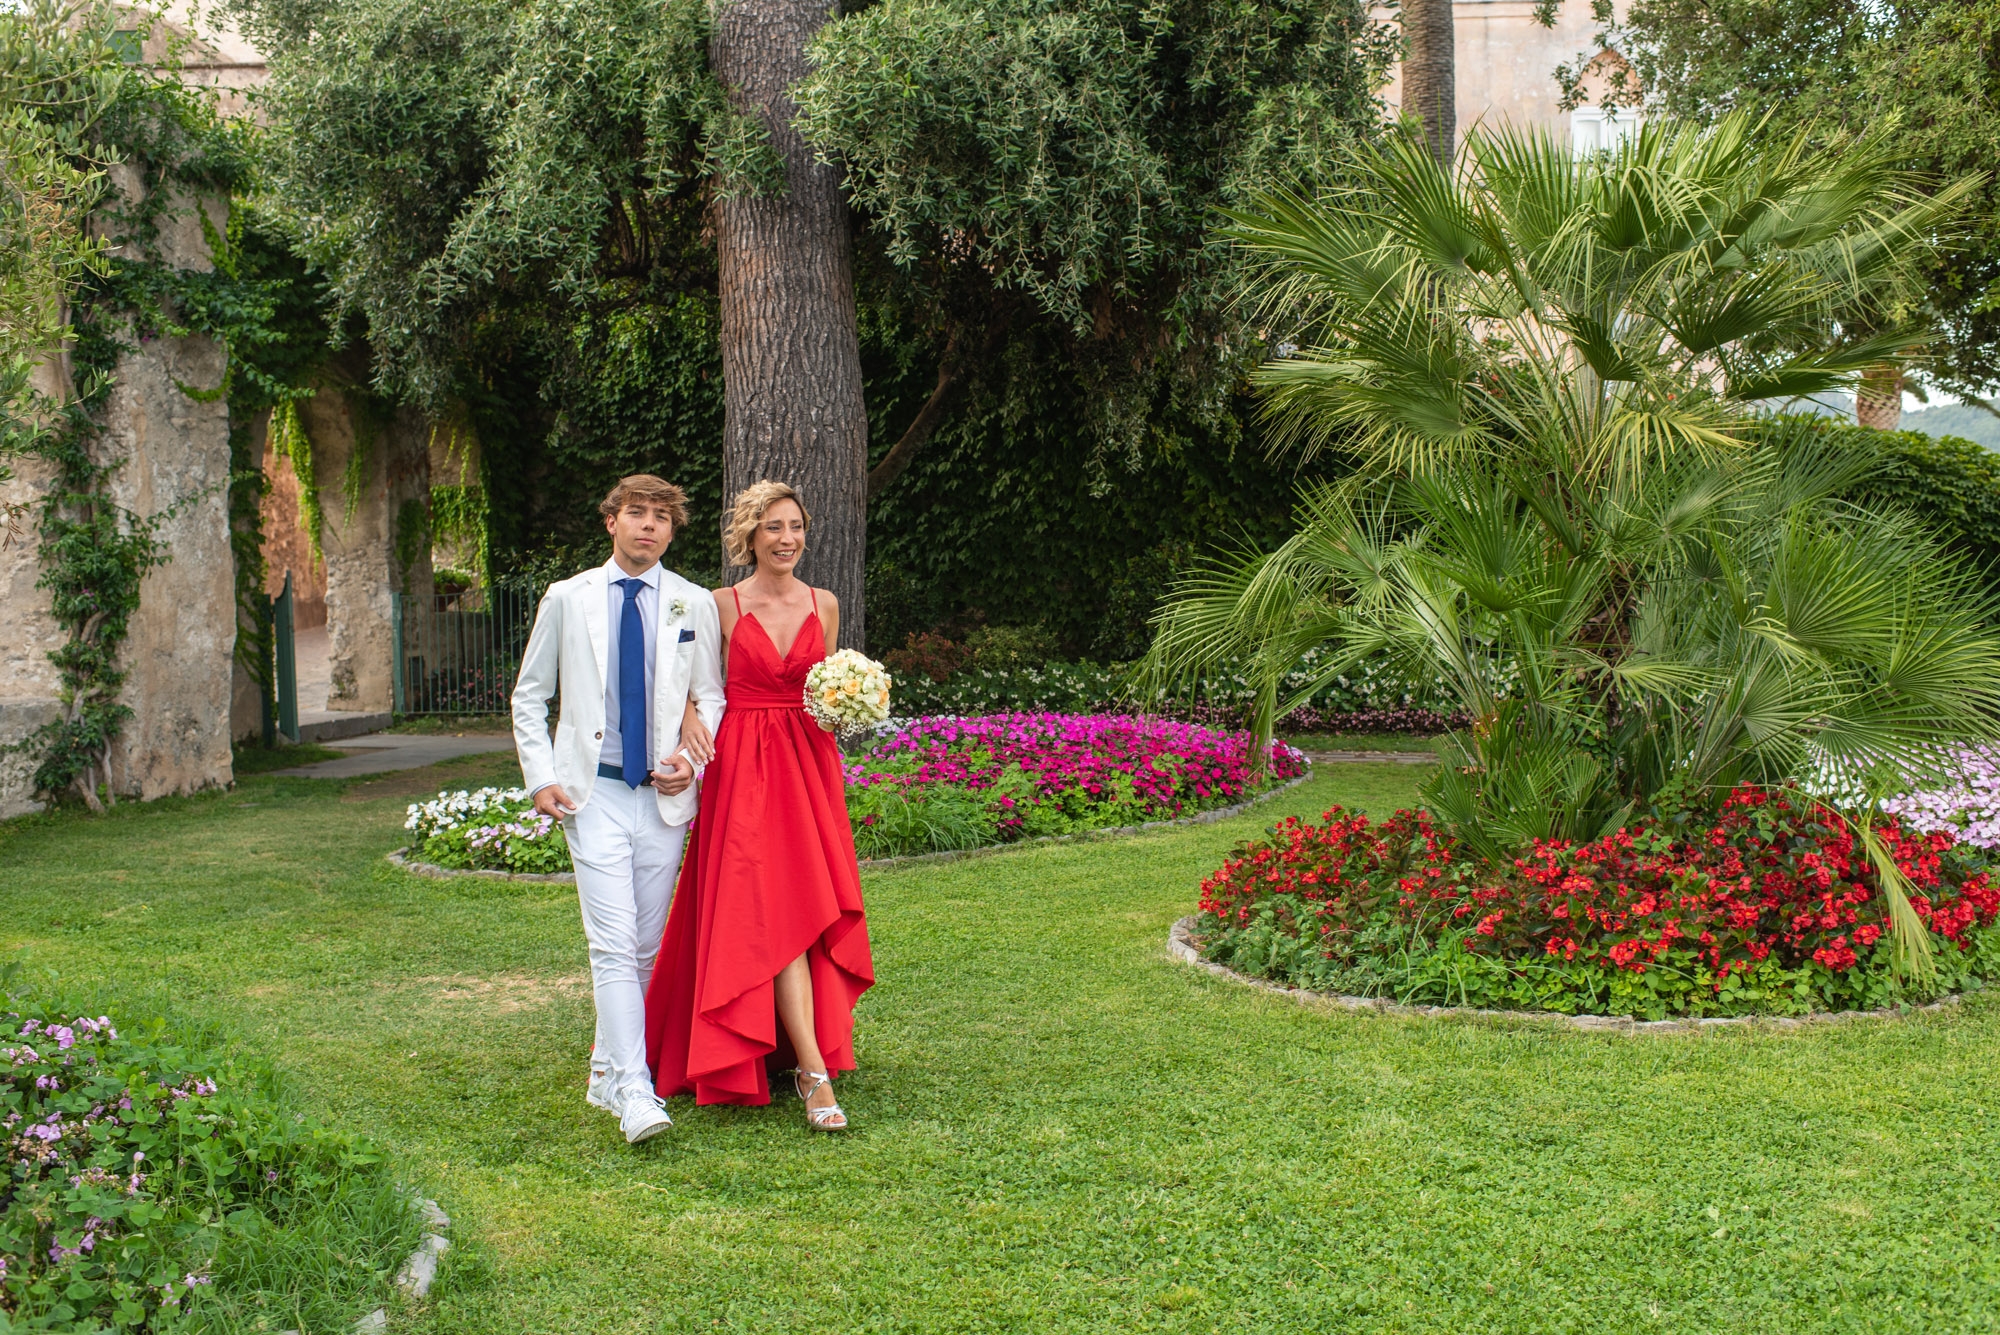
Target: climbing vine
[66,85]
[459,518]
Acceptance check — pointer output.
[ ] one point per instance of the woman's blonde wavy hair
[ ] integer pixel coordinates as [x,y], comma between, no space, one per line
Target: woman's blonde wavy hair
[748,511]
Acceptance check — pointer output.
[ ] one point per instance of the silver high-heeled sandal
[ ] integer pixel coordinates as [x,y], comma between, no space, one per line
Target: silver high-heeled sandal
[829,1118]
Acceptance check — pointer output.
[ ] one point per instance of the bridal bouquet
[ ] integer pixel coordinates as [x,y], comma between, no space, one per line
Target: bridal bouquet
[847,692]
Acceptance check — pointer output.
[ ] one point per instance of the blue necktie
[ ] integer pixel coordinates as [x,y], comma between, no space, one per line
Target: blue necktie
[632,685]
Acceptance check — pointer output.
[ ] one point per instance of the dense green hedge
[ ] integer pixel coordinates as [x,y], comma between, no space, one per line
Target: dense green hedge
[1951,484]
[1008,515]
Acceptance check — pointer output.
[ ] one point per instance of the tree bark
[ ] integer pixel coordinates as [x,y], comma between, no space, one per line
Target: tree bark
[1878,399]
[791,358]
[1430,89]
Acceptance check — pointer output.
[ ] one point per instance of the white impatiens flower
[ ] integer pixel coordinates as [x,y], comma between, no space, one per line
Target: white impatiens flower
[848,692]
[449,810]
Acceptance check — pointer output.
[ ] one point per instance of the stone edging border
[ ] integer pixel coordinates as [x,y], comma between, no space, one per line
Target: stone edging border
[415,868]
[419,1270]
[1180,945]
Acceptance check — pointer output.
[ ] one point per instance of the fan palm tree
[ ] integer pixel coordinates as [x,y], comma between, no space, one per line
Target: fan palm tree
[1546,366]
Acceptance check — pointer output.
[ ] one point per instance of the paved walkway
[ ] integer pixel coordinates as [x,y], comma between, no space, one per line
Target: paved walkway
[317,723]
[1372,757]
[384,751]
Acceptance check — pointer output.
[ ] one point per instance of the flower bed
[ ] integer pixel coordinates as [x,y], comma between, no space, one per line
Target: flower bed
[1770,907]
[934,785]
[943,783]
[1969,809]
[153,1188]
[490,829]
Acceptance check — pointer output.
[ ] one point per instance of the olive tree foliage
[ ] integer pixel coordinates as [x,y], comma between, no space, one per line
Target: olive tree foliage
[1034,188]
[51,176]
[1922,72]
[1027,163]
[443,159]
[44,249]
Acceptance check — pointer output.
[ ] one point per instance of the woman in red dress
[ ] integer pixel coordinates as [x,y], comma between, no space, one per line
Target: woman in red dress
[766,931]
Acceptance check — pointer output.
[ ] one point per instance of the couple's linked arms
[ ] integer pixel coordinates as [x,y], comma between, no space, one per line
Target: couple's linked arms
[538,683]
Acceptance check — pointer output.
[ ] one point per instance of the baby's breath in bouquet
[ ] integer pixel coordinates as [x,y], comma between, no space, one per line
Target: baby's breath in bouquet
[848,692]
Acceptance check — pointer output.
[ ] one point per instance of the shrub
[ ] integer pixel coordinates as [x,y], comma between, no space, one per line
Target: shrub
[1953,485]
[927,654]
[1006,648]
[1373,697]
[1767,906]
[895,820]
[1063,688]
[154,1187]
[491,829]
[487,688]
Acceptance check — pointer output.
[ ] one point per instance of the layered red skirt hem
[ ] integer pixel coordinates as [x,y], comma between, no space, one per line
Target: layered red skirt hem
[769,875]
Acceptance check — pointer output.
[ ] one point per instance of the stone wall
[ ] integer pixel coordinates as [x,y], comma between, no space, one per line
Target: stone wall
[182,642]
[363,565]
[172,463]
[28,683]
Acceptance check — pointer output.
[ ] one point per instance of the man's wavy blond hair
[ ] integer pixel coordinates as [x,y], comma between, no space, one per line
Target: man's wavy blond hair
[748,512]
[646,489]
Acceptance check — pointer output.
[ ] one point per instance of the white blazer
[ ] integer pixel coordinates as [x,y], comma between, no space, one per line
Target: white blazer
[568,649]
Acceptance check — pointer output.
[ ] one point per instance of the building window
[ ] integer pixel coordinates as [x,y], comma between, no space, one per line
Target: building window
[128,44]
[1601,129]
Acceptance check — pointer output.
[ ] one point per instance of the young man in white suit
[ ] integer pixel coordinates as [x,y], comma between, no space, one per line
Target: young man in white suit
[634,651]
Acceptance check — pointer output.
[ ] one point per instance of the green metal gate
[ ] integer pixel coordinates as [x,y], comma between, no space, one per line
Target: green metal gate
[281,674]
[458,653]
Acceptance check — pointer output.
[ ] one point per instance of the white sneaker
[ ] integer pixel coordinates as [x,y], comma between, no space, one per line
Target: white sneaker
[641,1115]
[601,1092]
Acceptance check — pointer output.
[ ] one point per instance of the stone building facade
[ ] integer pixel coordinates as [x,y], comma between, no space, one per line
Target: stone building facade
[1506,64]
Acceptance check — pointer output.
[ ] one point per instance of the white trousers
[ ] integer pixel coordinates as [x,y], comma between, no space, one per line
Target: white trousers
[626,860]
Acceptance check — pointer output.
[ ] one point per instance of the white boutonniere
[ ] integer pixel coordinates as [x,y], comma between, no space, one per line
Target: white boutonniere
[677,609]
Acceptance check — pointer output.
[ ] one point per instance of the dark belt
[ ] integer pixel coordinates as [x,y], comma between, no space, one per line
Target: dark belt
[617,772]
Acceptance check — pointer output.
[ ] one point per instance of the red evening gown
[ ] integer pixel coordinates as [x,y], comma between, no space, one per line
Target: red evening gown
[769,875]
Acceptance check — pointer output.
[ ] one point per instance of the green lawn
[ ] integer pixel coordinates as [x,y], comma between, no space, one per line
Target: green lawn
[1058,1128]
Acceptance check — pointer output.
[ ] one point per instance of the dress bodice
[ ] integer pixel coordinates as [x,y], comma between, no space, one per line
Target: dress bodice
[759,678]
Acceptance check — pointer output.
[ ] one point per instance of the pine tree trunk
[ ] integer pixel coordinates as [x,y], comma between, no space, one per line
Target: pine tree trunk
[1430,74]
[1878,399]
[791,359]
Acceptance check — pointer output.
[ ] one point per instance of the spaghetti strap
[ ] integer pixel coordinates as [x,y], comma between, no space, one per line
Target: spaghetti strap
[739,599]
[815,595]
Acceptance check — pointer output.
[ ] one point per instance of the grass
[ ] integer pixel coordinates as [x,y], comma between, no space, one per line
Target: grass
[1365,741]
[1058,1128]
[255,758]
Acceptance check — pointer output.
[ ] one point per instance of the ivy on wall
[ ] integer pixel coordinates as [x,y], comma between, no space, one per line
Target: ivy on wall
[66,84]
[459,518]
